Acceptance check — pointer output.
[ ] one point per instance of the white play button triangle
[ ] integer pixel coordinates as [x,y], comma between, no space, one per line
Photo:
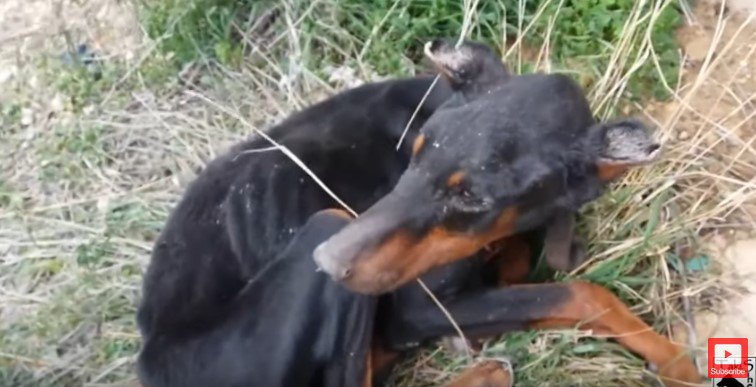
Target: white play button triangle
[728,354]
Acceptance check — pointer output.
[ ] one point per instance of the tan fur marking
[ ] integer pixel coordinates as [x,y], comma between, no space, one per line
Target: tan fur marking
[607,172]
[417,146]
[455,179]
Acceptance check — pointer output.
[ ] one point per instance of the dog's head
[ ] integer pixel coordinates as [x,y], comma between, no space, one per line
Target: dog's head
[498,159]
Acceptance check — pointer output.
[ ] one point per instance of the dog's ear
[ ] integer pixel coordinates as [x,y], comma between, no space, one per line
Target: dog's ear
[469,65]
[621,145]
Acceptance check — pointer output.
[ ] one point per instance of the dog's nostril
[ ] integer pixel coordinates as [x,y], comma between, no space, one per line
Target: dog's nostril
[346,273]
[653,148]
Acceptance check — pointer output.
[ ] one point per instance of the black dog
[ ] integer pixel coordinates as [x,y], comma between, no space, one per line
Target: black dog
[238,232]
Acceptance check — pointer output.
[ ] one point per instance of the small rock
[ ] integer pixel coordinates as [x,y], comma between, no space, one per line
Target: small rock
[719,241]
[33,82]
[6,73]
[343,75]
[683,135]
[56,103]
[103,204]
[671,107]
[697,45]
[27,116]
[745,7]
[711,138]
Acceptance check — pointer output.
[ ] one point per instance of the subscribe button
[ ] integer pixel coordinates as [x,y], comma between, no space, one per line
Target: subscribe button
[728,358]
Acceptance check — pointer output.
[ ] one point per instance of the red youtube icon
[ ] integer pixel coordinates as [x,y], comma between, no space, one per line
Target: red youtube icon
[728,357]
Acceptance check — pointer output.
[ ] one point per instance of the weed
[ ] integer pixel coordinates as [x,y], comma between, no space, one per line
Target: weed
[388,35]
[197,29]
[133,219]
[585,33]
[581,35]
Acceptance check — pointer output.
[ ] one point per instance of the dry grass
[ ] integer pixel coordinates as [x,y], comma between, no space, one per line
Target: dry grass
[89,188]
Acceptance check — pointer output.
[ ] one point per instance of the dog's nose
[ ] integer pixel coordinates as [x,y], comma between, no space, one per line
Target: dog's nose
[329,264]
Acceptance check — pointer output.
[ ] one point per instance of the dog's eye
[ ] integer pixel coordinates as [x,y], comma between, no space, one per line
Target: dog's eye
[461,189]
[464,192]
[463,199]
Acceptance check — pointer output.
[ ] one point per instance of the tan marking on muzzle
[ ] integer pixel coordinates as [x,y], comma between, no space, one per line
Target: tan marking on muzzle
[403,257]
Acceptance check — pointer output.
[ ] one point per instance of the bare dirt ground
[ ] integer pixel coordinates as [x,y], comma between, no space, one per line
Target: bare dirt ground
[37,26]
[724,105]
[43,296]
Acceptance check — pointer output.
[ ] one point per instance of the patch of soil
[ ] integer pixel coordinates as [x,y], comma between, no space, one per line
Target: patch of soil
[715,113]
[32,27]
